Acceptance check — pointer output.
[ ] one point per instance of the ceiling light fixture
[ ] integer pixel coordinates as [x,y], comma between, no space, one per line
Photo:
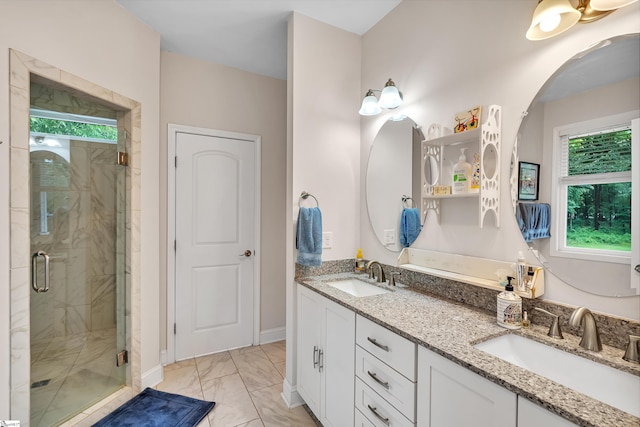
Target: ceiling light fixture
[390,98]
[553,17]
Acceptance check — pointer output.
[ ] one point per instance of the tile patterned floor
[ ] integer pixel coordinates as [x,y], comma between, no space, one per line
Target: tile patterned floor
[245,384]
[79,370]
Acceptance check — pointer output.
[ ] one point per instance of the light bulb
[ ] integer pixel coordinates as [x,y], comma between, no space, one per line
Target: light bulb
[550,23]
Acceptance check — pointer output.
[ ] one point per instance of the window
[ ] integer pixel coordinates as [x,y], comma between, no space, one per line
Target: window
[593,190]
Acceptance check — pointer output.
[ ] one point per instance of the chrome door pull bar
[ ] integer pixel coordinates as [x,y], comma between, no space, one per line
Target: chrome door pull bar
[34,272]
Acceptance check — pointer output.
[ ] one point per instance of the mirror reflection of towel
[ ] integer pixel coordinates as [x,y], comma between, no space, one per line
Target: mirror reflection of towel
[534,220]
[309,237]
[409,226]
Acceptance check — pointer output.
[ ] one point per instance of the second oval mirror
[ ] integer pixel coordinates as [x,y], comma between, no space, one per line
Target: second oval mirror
[392,174]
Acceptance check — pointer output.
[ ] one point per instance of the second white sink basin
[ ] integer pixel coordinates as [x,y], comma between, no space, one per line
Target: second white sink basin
[617,388]
[357,288]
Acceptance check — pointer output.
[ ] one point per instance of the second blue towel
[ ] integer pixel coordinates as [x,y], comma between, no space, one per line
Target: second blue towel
[309,237]
[409,226]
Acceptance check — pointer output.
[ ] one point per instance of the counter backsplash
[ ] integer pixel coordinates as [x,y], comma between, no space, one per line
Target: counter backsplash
[614,331]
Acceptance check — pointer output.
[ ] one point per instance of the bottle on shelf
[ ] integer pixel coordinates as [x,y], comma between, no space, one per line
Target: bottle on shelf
[461,175]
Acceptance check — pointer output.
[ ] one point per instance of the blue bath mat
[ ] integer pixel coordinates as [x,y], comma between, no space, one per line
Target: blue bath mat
[153,408]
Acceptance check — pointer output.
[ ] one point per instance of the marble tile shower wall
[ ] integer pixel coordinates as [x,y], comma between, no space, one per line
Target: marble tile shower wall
[81,243]
[614,331]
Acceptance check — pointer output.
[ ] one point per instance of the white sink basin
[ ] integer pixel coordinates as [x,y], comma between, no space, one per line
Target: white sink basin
[614,387]
[357,288]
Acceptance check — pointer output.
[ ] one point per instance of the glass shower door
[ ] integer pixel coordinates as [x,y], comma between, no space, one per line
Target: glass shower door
[77,299]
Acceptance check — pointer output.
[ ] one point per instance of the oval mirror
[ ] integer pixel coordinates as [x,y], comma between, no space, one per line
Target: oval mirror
[573,200]
[393,171]
[431,171]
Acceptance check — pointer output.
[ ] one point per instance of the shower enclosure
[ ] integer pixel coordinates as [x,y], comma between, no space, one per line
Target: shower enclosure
[77,232]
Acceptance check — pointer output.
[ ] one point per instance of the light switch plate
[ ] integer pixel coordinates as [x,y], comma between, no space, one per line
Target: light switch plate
[327,240]
[389,236]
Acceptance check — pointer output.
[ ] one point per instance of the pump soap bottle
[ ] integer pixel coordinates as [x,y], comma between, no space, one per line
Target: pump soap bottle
[359,261]
[461,175]
[509,313]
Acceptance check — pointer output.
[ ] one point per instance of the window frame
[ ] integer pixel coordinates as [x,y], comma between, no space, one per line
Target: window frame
[560,185]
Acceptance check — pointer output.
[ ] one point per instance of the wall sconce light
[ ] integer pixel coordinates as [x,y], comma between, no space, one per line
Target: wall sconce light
[553,17]
[390,97]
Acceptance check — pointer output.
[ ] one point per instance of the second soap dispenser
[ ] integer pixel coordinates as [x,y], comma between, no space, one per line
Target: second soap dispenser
[461,175]
[509,313]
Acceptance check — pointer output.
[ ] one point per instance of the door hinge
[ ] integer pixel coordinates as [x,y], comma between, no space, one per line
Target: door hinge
[174,329]
[123,158]
[175,245]
[122,358]
[176,161]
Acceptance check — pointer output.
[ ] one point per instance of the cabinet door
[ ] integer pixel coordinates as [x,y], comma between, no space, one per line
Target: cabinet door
[337,363]
[309,346]
[532,415]
[450,395]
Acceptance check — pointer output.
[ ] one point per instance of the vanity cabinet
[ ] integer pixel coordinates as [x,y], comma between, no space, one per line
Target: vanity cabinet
[450,395]
[385,376]
[440,154]
[326,354]
[532,415]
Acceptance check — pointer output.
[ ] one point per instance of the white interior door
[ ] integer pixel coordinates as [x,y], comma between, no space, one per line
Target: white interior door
[215,243]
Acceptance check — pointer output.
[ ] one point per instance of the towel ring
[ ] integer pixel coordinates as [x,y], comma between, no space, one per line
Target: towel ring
[304,196]
[405,199]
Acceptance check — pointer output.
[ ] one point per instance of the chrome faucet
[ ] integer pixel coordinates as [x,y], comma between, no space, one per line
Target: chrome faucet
[370,265]
[633,349]
[590,335]
[554,328]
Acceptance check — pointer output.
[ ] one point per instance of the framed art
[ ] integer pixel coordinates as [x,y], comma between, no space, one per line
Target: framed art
[528,180]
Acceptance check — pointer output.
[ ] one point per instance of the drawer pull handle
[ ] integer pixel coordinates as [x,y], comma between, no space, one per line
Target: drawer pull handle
[380,417]
[315,359]
[377,344]
[320,360]
[378,380]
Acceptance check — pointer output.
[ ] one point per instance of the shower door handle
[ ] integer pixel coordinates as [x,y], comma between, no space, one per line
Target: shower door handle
[34,272]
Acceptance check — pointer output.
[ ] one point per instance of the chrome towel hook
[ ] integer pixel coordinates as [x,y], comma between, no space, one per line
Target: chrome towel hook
[304,196]
[405,199]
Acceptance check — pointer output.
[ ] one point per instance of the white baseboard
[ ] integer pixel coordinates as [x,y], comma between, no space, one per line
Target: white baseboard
[290,396]
[152,377]
[272,335]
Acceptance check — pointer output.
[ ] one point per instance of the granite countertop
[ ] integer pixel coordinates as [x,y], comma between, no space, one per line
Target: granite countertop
[452,329]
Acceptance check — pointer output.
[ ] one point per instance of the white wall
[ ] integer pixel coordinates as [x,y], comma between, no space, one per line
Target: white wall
[202,94]
[326,134]
[323,143]
[448,56]
[123,58]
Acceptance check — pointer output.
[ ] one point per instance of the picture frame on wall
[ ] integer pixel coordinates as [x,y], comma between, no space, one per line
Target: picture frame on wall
[528,180]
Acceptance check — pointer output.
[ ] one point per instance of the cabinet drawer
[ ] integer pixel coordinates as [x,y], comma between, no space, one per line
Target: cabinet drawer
[391,348]
[377,410]
[362,421]
[387,382]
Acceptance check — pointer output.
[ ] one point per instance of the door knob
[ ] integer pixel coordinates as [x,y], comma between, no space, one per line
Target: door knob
[246,253]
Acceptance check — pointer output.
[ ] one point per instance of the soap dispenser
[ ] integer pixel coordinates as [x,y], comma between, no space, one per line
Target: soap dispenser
[509,313]
[359,261]
[461,175]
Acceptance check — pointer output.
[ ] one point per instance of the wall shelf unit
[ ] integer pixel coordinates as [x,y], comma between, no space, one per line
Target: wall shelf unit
[466,269]
[438,152]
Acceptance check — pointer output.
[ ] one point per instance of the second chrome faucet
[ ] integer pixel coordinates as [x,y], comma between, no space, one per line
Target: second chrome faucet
[369,268]
[590,335]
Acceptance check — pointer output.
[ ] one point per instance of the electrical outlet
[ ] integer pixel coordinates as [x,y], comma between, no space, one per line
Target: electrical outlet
[327,240]
[389,236]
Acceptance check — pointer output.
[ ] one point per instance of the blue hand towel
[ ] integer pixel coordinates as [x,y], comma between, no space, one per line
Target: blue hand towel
[409,226]
[309,237]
